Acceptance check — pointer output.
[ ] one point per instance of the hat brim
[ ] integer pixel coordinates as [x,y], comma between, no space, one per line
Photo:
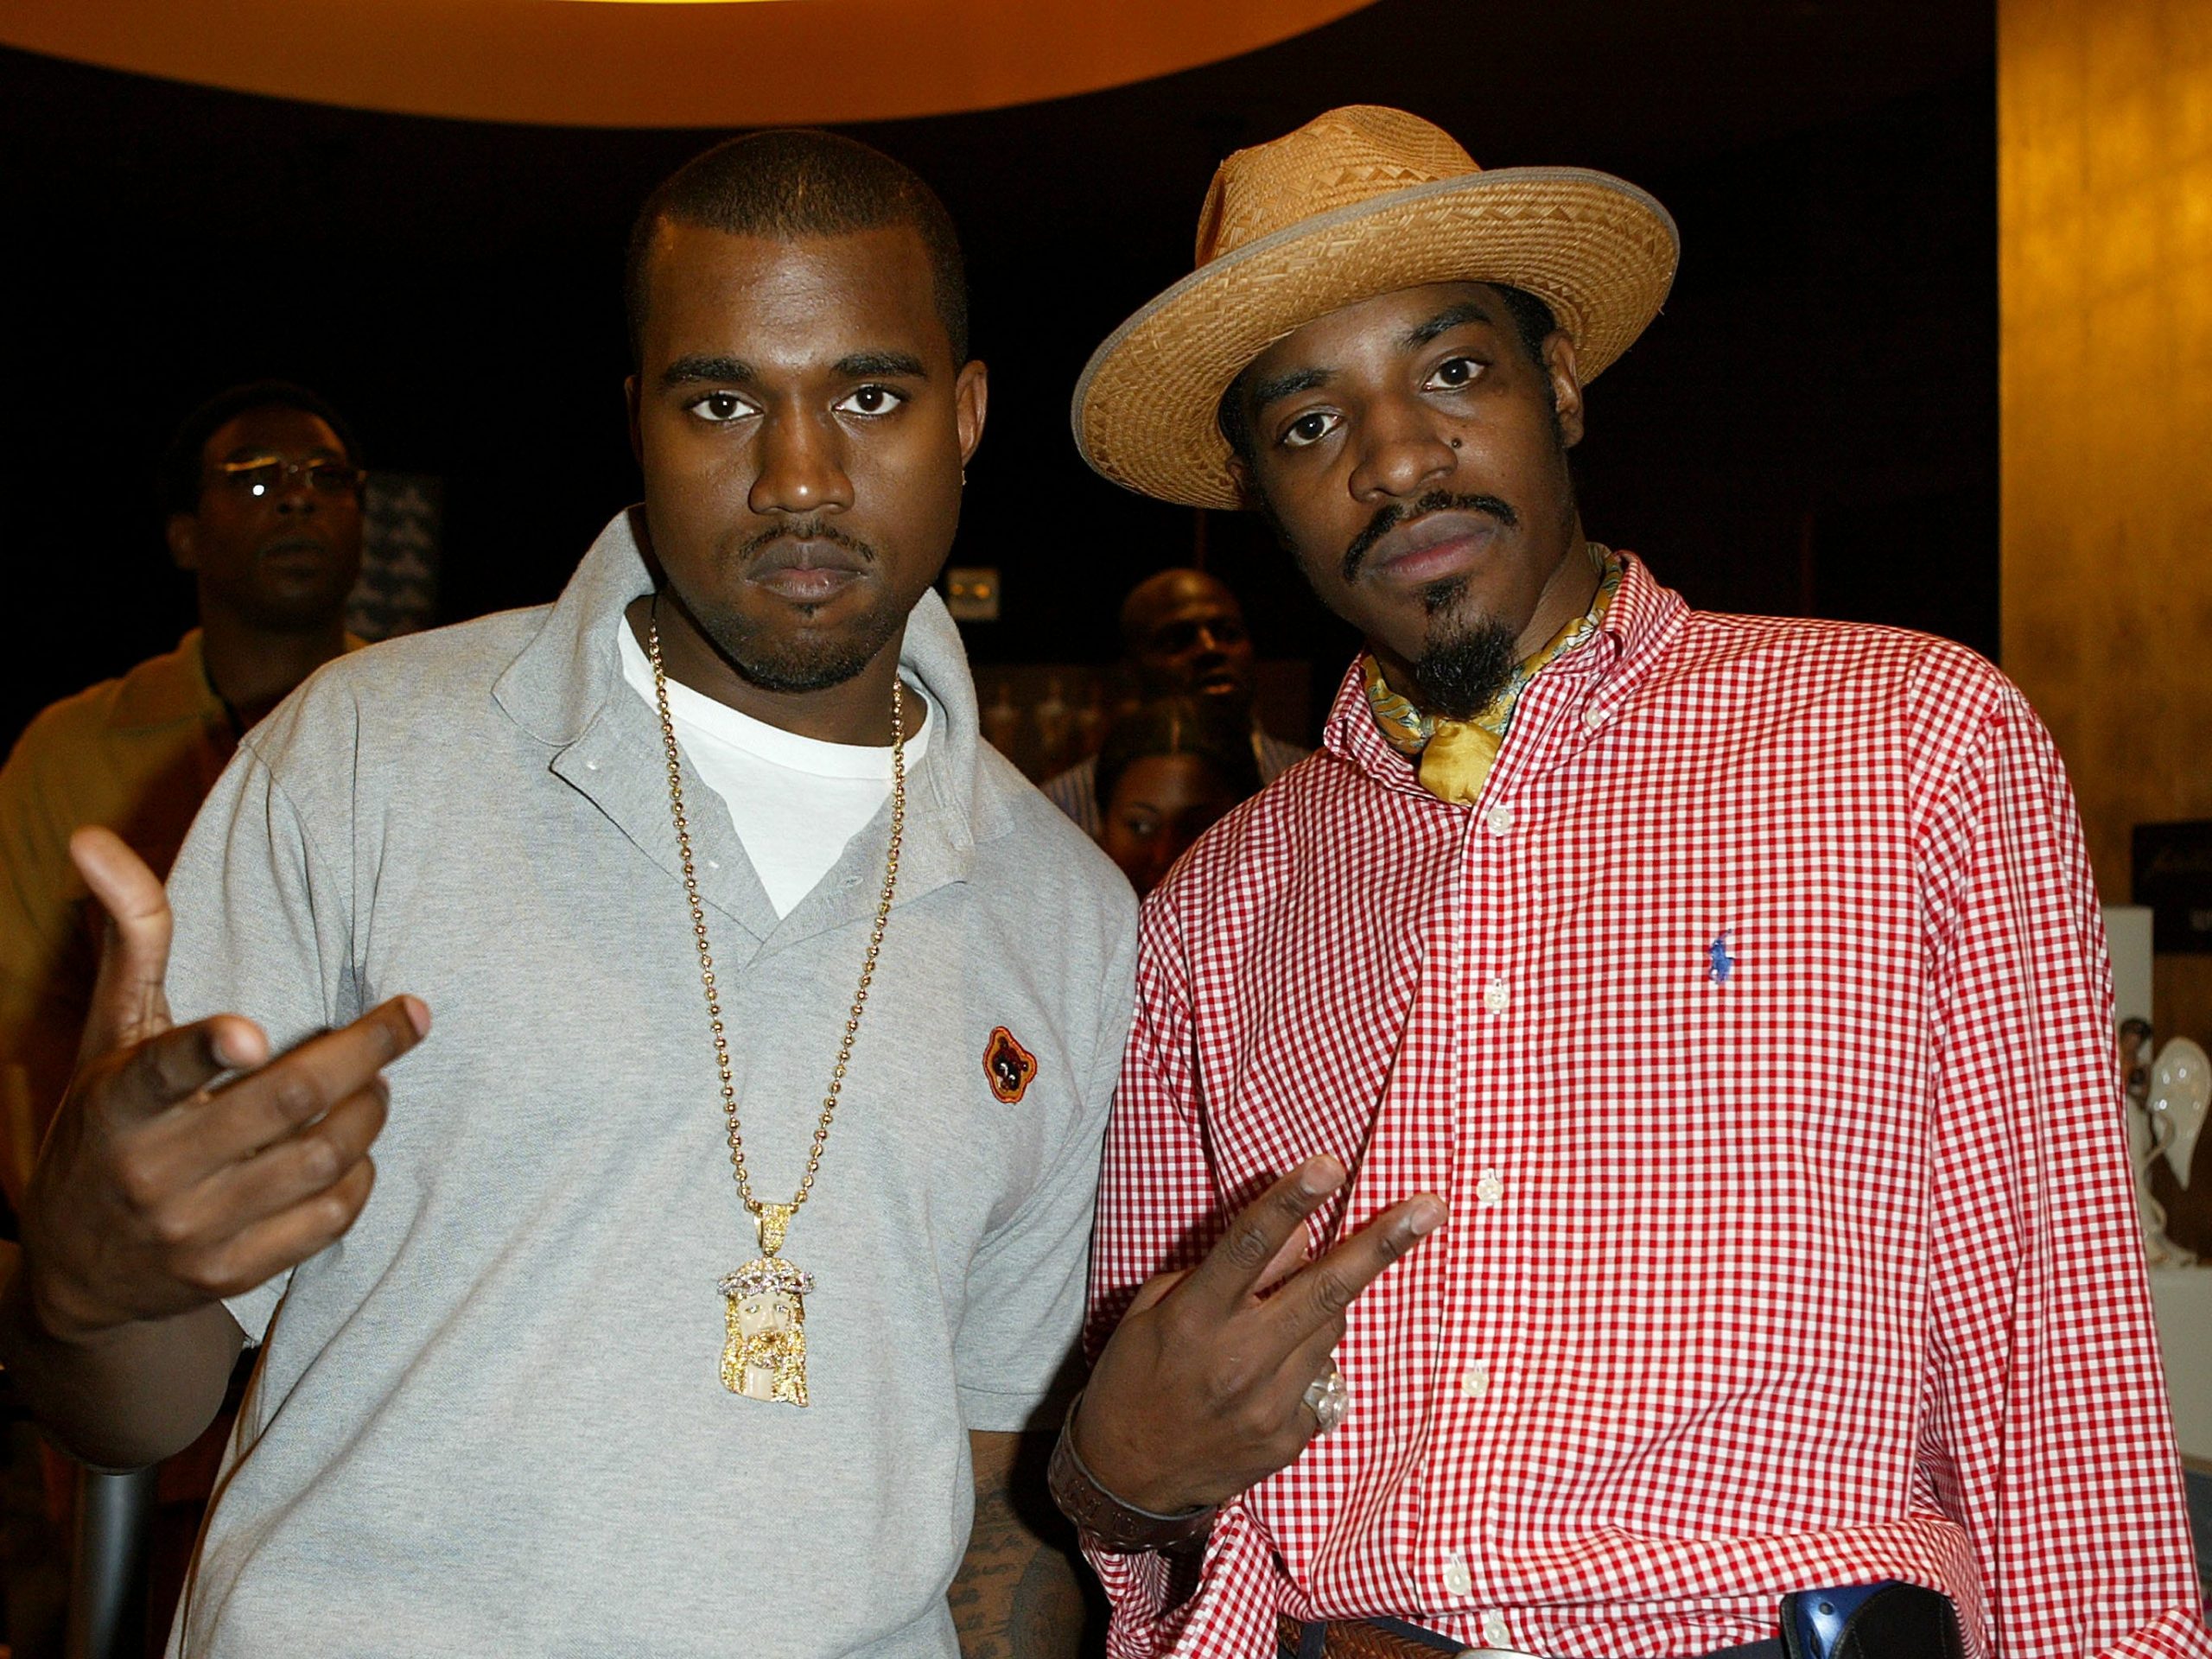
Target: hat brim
[1599,251]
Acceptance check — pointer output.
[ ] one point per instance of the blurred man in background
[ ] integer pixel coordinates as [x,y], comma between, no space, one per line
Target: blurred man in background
[261,490]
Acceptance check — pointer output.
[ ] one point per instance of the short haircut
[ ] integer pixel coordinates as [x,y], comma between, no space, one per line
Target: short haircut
[1533,324]
[1218,736]
[1136,618]
[797,182]
[180,477]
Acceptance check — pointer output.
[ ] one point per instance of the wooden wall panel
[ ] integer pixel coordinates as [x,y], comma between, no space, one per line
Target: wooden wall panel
[2105,281]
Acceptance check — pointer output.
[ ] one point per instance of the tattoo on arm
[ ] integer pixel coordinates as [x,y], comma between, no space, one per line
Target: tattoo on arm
[1021,1591]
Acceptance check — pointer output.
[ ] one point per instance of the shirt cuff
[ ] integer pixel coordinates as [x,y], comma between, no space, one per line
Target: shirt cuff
[1159,1612]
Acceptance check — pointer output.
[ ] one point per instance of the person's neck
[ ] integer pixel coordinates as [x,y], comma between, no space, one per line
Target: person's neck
[253,669]
[1569,593]
[857,711]
[1234,708]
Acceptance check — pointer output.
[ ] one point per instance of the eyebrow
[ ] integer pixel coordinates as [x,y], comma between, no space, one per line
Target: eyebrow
[1265,392]
[859,365]
[702,367]
[252,451]
[1448,319]
[863,366]
[1283,385]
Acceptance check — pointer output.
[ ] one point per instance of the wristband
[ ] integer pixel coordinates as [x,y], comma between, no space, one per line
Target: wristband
[1117,1528]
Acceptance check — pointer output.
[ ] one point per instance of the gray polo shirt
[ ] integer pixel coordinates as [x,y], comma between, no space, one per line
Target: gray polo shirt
[489,1420]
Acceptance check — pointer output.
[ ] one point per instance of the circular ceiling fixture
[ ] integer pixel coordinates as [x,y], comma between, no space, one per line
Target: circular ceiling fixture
[660,63]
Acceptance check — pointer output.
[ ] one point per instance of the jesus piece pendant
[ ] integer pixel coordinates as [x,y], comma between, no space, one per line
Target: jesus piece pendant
[765,1355]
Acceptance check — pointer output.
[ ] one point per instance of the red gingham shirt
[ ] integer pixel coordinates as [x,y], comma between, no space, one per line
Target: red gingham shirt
[1756,1026]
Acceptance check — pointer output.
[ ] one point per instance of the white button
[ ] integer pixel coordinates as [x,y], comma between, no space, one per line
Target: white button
[1495,996]
[1593,717]
[1474,1382]
[1490,1188]
[714,864]
[1500,820]
[591,766]
[1457,1579]
[1495,1633]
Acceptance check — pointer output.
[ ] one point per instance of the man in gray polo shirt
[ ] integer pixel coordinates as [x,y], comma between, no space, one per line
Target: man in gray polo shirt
[562,1384]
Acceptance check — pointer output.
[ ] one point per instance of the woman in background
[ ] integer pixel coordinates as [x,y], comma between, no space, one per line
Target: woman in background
[1166,774]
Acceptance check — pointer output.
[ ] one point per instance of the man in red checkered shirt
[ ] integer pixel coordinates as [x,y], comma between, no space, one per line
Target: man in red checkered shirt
[1620,1155]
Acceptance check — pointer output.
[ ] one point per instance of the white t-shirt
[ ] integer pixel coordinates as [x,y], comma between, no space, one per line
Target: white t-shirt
[795,801]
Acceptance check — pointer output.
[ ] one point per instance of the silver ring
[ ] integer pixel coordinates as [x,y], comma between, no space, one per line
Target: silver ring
[1328,1399]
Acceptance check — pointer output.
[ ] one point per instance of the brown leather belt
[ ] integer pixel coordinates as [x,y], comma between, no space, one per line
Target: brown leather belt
[1357,1639]
[1393,1639]
[1887,1620]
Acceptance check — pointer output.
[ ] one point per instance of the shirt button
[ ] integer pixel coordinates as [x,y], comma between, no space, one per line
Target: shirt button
[1495,1632]
[1457,1579]
[1593,717]
[1490,1188]
[1474,1383]
[1500,820]
[1495,996]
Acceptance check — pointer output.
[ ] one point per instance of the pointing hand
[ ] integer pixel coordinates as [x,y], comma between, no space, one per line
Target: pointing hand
[186,1164]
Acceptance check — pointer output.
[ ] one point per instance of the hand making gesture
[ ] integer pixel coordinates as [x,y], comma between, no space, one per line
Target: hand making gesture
[1218,1378]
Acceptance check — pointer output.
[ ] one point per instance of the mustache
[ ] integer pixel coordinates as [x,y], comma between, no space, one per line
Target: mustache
[805,530]
[1388,517]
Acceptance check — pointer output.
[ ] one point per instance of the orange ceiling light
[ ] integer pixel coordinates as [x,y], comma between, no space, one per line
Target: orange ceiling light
[660,63]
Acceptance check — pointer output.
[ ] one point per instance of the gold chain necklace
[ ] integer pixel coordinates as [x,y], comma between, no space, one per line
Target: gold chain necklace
[763,1352]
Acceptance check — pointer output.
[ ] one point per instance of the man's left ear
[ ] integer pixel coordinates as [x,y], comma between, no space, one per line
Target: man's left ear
[1566,377]
[971,400]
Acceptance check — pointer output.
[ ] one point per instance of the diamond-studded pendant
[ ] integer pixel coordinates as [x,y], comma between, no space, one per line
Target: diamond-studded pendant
[764,1355]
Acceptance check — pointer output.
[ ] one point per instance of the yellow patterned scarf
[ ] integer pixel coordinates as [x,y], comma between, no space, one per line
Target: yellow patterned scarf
[1456,754]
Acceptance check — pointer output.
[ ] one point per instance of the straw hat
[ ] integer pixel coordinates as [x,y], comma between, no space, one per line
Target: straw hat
[1361,201]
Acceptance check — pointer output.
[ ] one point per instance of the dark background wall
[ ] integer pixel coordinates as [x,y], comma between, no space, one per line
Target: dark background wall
[1810,427]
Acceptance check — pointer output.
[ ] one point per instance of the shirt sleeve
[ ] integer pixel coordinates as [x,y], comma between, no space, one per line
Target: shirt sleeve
[2046,1430]
[1016,1355]
[264,928]
[1159,1211]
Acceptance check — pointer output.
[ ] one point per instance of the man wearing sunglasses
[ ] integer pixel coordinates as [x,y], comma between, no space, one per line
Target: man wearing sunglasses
[261,493]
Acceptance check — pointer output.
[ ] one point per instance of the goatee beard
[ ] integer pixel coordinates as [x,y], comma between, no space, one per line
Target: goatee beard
[1460,672]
